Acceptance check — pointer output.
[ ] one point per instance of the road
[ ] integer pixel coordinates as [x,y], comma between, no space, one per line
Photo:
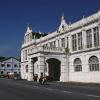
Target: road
[23,90]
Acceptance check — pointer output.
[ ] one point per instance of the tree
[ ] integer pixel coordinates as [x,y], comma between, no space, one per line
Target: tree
[2,58]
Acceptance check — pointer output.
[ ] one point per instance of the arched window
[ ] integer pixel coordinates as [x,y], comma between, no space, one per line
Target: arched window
[93,63]
[8,65]
[77,65]
[26,68]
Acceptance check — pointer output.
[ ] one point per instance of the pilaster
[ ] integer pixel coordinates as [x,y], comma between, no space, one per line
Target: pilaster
[99,29]
[64,69]
[30,70]
[70,43]
[65,41]
[60,42]
[92,38]
[22,71]
[83,38]
[56,42]
[41,64]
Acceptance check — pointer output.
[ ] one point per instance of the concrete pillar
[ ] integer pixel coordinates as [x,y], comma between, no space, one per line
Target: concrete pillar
[60,43]
[84,38]
[47,73]
[77,41]
[99,29]
[30,70]
[22,71]
[65,41]
[41,64]
[64,69]
[92,38]
[57,42]
[70,43]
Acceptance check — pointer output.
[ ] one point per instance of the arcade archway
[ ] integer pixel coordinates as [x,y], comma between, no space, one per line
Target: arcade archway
[54,68]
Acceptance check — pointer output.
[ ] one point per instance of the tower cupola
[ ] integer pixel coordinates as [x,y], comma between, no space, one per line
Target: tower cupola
[63,25]
[28,35]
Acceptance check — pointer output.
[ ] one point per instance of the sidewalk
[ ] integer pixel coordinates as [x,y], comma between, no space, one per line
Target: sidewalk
[63,84]
[75,84]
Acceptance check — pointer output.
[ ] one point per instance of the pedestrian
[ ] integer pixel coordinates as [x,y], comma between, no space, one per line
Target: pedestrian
[44,80]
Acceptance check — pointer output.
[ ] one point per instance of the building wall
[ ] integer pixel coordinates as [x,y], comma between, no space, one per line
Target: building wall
[54,47]
[10,65]
[85,75]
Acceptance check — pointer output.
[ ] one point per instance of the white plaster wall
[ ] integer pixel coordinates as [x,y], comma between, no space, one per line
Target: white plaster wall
[11,68]
[85,75]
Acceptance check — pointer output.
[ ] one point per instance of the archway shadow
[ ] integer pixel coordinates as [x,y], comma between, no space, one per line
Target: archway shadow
[54,69]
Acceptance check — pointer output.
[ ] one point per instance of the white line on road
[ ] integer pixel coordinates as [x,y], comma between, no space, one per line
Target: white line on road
[36,87]
[96,96]
[57,90]
[49,89]
[67,91]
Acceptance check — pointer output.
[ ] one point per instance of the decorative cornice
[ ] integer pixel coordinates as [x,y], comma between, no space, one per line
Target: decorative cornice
[74,26]
[86,50]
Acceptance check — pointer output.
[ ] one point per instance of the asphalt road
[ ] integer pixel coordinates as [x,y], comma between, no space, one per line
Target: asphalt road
[23,90]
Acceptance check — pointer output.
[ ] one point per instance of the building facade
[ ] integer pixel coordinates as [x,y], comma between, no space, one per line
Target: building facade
[9,65]
[71,53]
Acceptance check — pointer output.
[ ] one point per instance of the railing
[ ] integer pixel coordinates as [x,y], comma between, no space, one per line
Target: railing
[46,49]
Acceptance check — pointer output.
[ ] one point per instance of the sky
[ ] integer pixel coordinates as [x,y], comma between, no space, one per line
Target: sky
[41,15]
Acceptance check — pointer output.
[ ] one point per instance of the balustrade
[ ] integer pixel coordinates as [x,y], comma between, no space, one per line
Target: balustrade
[47,49]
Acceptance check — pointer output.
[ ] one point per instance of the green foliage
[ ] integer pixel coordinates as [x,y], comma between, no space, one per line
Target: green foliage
[2,58]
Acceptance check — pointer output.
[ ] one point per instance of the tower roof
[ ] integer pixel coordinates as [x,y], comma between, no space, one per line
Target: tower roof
[63,26]
[62,17]
[63,21]
[29,29]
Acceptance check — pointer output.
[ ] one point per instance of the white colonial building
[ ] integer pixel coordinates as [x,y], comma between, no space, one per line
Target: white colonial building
[9,65]
[71,53]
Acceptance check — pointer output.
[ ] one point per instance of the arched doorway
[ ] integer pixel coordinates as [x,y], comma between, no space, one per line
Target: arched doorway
[54,68]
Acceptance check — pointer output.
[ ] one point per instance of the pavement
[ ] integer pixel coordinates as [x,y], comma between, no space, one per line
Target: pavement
[24,90]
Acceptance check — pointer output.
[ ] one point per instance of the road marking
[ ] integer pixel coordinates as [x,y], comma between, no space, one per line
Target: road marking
[49,89]
[66,91]
[36,86]
[58,90]
[96,96]
[26,85]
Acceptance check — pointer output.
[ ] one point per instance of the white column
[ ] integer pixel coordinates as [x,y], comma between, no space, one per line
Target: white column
[99,30]
[65,41]
[30,70]
[22,71]
[77,41]
[64,69]
[92,38]
[56,42]
[60,42]
[84,38]
[41,64]
[70,43]
[47,69]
